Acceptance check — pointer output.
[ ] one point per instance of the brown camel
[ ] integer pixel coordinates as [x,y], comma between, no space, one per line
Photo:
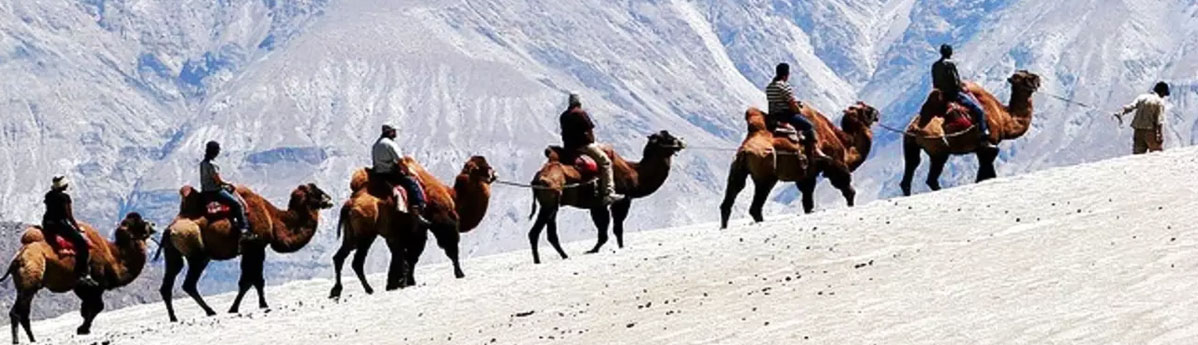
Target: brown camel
[769,159]
[926,131]
[199,239]
[558,184]
[452,211]
[114,264]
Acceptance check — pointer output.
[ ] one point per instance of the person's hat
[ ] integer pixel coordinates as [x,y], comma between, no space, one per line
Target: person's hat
[388,128]
[575,100]
[60,182]
[1161,88]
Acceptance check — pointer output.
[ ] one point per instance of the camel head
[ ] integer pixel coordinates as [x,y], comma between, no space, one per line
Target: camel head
[860,113]
[311,197]
[1023,80]
[478,169]
[755,118]
[135,228]
[664,142]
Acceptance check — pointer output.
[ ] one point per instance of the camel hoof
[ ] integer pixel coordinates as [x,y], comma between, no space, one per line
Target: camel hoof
[593,251]
[173,319]
[459,275]
[81,331]
[211,313]
[335,293]
[369,290]
[263,306]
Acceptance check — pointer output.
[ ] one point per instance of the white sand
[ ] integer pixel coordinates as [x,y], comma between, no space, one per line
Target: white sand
[1101,253]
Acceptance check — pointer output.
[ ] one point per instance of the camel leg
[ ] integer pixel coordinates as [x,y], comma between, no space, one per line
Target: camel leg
[252,258]
[553,239]
[986,157]
[397,270]
[195,268]
[359,263]
[736,183]
[842,179]
[93,304]
[534,234]
[911,158]
[934,171]
[619,212]
[807,188]
[602,217]
[761,191]
[416,240]
[19,314]
[339,261]
[174,265]
[448,238]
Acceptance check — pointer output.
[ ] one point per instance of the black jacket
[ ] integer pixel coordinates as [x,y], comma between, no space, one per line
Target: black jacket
[576,129]
[946,78]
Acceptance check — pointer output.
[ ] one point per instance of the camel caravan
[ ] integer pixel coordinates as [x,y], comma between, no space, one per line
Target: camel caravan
[397,199]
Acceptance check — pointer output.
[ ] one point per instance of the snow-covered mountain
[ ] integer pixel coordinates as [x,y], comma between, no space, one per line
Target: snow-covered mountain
[121,95]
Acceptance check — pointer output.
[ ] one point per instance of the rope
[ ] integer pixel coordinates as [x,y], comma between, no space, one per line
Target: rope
[1068,100]
[536,187]
[913,135]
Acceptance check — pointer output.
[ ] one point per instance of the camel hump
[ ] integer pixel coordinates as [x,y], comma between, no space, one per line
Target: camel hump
[32,234]
[186,191]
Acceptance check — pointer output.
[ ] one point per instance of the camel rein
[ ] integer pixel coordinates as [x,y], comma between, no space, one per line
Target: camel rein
[535,187]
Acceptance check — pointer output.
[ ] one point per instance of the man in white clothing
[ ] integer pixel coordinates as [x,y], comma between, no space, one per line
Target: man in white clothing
[1149,121]
[388,169]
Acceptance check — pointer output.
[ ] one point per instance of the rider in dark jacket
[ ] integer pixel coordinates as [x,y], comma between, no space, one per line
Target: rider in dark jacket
[578,135]
[946,79]
[59,220]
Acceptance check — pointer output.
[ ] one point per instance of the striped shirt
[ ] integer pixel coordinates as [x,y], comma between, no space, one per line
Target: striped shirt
[779,95]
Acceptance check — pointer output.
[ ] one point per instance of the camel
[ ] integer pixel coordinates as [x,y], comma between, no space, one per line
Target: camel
[769,159]
[452,211]
[198,239]
[926,130]
[113,264]
[558,184]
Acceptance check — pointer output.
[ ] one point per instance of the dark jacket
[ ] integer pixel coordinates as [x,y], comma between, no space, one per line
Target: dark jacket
[577,129]
[58,207]
[946,78]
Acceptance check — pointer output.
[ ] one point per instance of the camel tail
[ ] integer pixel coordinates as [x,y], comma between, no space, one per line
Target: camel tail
[11,267]
[533,214]
[165,241]
[344,215]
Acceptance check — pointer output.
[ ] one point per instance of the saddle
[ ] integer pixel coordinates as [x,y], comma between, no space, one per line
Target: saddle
[585,165]
[956,116]
[399,194]
[62,246]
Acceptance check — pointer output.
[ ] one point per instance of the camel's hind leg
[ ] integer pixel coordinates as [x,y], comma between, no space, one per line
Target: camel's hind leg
[359,263]
[737,175]
[347,246]
[602,217]
[195,268]
[619,212]
[448,238]
[761,191]
[935,169]
[174,265]
[911,157]
[986,157]
[253,258]
[93,304]
[548,212]
[19,314]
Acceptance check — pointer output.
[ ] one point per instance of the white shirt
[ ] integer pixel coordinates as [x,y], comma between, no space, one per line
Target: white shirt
[1150,111]
[385,153]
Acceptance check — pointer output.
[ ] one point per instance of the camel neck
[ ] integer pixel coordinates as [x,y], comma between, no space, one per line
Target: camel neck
[130,260]
[471,197]
[653,170]
[291,229]
[1021,109]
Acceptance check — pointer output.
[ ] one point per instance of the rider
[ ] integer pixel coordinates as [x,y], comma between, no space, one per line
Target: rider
[214,188]
[59,220]
[387,168]
[578,135]
[784,108]
[946,79]
[1149,122]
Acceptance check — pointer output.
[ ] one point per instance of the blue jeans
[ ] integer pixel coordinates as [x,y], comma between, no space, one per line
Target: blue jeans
[979,115]
[415,194]
[240,220]
[800,123]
